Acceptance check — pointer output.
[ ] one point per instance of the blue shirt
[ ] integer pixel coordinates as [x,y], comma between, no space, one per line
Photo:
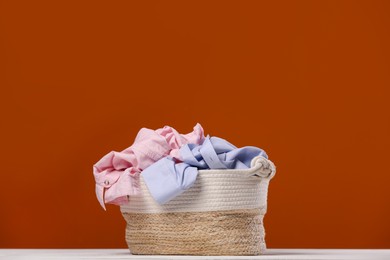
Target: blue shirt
[167,179]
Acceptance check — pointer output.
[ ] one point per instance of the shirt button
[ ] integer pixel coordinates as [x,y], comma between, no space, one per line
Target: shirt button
[106,182]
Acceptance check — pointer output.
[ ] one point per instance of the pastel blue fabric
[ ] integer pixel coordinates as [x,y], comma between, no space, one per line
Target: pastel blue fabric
[167,179]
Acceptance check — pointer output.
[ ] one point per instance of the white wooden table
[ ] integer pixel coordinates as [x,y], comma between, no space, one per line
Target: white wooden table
[280,254]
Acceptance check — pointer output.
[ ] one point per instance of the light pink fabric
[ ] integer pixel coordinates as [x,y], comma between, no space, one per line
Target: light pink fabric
[117,173]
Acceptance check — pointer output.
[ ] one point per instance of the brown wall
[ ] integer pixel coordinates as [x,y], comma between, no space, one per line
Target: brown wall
[308,81]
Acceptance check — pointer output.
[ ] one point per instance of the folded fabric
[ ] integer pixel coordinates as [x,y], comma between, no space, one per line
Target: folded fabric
[117,173]
[167,179]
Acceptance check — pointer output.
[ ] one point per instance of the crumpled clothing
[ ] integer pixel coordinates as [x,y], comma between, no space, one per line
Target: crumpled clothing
[167,178]
[117,173]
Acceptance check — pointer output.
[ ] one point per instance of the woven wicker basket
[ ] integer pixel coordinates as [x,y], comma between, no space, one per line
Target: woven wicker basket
[221,214]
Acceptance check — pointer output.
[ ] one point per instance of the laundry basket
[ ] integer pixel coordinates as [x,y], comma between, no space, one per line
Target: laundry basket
[221,214]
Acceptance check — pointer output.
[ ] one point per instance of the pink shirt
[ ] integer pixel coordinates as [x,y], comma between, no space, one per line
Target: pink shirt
[117,173]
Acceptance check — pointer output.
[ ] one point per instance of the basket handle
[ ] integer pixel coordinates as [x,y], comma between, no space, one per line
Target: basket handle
[262,168]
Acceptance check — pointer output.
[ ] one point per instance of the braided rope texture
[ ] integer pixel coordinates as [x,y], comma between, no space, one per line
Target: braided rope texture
[229,232]
[212,191]
[221,214]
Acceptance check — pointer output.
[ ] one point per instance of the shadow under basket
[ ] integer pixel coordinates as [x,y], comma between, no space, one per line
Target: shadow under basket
[221,214]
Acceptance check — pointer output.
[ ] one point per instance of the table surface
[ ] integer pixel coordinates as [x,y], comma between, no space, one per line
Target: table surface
[280,254]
